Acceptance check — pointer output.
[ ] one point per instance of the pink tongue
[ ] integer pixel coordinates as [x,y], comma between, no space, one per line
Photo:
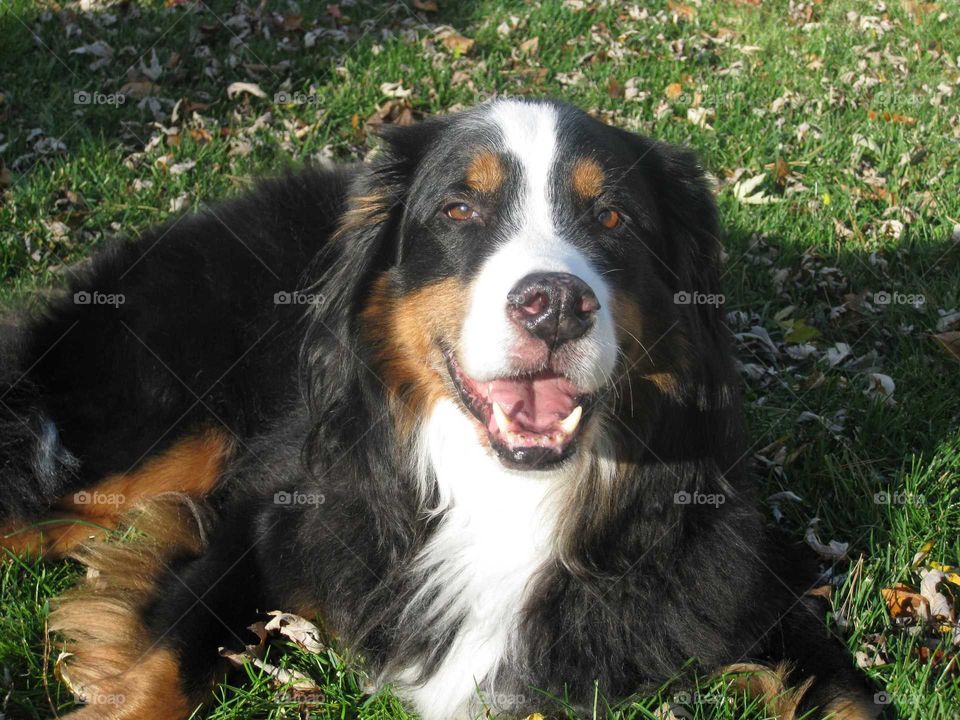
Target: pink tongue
[535,404]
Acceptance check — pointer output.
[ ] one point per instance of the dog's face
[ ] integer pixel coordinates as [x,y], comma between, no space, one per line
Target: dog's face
[532,274]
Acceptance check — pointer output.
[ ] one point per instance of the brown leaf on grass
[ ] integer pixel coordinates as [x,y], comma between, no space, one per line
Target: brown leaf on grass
[201,136]
[949,341]
[297,629]
[919,10]
[673,91]
[614,88]
[280,676]
[290,22]
[682,11]
[781,169]
[140,89]
[531,46]
[890,117]
[946,664]
[426,6]
[6,178]
[905,605]
[394,112]
[458,44]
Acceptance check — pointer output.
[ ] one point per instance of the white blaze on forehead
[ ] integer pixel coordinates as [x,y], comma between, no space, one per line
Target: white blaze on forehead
[528,133]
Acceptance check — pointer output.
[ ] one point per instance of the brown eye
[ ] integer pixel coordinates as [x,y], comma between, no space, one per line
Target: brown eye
[460,212]
[608,218]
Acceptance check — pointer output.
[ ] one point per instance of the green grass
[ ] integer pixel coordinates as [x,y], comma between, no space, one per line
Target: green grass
[868,139]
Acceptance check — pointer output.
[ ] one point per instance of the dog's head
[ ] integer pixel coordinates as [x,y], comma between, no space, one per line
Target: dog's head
[542,269]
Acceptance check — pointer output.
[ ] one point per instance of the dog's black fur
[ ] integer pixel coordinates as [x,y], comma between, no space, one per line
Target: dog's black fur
[644,585]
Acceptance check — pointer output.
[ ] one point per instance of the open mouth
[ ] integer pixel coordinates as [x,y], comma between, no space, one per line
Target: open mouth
[532,421]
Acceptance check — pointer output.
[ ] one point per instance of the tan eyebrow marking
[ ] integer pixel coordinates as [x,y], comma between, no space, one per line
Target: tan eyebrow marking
[485,172]
[587,178]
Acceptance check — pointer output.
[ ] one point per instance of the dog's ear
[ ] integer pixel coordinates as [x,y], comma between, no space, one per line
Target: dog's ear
[684,197]
[365,242]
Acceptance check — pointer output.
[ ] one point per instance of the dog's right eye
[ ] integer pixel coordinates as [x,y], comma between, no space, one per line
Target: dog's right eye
[460,212]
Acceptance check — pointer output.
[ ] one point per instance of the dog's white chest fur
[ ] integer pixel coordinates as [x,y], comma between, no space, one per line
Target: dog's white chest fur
[497,530]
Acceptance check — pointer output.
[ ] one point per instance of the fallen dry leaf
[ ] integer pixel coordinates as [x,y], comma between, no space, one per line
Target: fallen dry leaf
[941,609]
[458,44]
[834,551]
[393,112]
[281,676]
[531,46]
[236,88]
[904,604]
[823,591]
[673,91]
[395,90]
[891,117]
[301,631]
[881,388]
[950,342]
[614,88]
[683,12]
[140,89]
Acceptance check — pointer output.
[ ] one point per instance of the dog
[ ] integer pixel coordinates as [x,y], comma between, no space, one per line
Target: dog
[457,403]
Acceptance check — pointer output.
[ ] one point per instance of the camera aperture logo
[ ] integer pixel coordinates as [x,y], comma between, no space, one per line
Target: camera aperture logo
[85,97]
[685,297]
[86,297]
[296,297]
[294,498]
[698,498]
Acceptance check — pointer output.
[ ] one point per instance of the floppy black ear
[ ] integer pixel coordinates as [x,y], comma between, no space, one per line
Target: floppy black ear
[688,212]
[365,242]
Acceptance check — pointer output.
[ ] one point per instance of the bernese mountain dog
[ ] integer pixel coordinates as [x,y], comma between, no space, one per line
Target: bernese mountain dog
[452,402]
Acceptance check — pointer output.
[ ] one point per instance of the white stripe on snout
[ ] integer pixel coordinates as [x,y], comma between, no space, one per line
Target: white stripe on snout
[529,134]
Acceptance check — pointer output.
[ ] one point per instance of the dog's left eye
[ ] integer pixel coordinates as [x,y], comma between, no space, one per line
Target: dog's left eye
[609,218]
[460,212]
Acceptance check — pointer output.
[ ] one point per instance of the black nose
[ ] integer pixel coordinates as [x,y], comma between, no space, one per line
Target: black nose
[555,307]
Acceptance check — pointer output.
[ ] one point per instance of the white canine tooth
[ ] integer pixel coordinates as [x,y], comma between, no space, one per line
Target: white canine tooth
[569,423]
[503,422]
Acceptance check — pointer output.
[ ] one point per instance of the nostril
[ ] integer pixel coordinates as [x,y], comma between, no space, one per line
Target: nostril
[587,305]
[535,304]
[531,302]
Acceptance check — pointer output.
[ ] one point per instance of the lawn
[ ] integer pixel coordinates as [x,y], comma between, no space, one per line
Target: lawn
[833,130]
